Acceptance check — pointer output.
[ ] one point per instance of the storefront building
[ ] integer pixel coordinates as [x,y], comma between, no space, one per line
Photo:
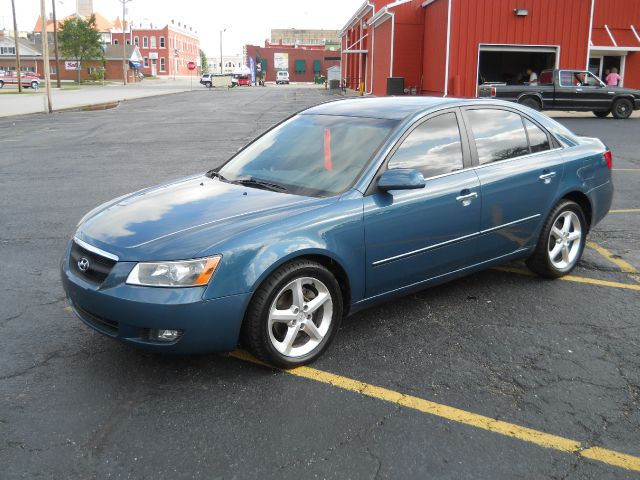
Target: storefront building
[448,47]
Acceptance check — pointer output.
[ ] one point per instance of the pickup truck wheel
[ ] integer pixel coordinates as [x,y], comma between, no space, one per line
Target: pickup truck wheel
[294,315]
[561,241]
[601,114]
[531,103]
[622,108]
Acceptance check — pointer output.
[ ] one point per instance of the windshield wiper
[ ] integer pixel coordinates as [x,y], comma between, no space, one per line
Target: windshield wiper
[214,174]
[253,182]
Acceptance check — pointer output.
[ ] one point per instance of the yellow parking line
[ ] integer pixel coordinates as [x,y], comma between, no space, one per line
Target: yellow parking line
[537,437]
[624,266]
[626,210]
[573,278]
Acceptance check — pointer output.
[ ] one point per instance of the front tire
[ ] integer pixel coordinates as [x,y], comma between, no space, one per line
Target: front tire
[294,315]
[561,241]
[622,108]
[34,85]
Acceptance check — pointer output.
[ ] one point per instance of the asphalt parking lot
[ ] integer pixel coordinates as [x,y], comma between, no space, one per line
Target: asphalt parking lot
[543,376]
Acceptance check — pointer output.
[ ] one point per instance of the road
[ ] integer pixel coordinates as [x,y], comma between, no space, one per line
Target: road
[559,357]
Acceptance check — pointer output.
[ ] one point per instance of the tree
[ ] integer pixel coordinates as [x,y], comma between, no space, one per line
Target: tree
[204,64]
[80,40]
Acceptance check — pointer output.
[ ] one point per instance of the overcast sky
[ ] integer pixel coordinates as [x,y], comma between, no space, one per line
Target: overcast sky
[246,21]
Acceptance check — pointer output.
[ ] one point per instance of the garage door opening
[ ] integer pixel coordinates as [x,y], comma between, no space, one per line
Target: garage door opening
[509,65]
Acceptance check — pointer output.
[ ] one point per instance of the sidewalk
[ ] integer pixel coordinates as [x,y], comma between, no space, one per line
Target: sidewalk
[15,104]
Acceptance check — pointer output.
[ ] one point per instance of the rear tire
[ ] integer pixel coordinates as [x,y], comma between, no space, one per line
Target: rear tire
[622,108]
[601,114]
[531,103]
[561,241]
[34,85]
[207,84]
[294,315]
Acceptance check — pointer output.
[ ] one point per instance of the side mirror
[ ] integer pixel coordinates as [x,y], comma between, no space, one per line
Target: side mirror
[401,179]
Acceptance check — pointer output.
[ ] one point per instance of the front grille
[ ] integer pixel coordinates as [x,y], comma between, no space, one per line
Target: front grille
[105,325]
[99,266]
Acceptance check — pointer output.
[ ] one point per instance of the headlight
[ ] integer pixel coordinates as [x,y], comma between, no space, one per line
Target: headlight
[186,273]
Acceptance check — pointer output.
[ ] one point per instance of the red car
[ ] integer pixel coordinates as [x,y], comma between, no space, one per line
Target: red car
[28,79]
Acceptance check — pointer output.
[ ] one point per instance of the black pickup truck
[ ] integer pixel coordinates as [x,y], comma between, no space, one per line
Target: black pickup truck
[568,90]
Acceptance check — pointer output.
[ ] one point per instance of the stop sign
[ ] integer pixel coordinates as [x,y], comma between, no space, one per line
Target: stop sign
[191,65]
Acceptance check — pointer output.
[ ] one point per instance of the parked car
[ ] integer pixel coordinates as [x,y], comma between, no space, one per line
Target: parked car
[207,79]
[340,207]
[282,77]
[27,79]
[568,90]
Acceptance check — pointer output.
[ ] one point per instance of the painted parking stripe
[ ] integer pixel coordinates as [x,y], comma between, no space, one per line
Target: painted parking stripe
[525,434]
[573,278]
[626,210]
[616,260]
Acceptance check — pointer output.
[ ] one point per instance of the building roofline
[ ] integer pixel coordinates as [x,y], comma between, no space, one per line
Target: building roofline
[364,8]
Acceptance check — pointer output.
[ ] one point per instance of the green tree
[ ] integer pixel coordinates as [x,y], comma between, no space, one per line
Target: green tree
[203,62]
[80,40]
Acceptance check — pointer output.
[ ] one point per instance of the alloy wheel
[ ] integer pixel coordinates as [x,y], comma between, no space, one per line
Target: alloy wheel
[565,240]
[300,317]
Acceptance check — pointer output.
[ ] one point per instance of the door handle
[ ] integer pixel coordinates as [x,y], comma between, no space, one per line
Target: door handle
[546,177]
[466,199]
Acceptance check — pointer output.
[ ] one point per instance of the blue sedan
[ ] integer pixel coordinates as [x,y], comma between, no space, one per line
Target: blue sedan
[340,207]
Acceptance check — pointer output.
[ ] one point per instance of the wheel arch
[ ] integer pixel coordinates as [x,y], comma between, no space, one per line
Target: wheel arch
[534,95]
[585,204]
[324,258]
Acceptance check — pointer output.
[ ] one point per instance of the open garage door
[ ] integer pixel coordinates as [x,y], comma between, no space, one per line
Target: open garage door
[508,64]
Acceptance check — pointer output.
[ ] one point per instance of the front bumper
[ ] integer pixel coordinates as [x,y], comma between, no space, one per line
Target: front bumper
[130,313]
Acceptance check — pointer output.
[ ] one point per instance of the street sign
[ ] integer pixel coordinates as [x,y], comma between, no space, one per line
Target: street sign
[191,65]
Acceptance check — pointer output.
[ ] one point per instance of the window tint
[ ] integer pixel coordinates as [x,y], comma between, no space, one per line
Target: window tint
[433,148]
[538,140]
[499,135]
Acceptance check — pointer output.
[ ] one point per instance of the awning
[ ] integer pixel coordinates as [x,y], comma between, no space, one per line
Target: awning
[615,38]
[135,65]
[300,66]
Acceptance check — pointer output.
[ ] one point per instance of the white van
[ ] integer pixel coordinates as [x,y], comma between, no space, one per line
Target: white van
[282,77]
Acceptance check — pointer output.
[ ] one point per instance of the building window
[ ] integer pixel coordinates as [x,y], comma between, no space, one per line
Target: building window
[115,41]
[153,42]
[53,69]
[146,61]
[145,42]
[162,64]
[136,41]
[7,50]
[128,42]
[161,42]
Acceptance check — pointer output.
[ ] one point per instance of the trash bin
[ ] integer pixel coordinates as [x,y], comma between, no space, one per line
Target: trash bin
[395,85]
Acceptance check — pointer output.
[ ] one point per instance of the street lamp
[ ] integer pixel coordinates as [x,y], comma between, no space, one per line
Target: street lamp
[221,32]
[124,42]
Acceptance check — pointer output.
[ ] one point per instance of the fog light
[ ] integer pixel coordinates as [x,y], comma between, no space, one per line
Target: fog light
[166,335]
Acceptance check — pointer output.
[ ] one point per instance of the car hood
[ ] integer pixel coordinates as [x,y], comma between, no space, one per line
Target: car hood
[182,219]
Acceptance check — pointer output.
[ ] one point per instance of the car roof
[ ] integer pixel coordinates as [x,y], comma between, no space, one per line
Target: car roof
[392,108]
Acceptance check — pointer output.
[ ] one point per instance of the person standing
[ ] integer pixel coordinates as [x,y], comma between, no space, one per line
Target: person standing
[613,79]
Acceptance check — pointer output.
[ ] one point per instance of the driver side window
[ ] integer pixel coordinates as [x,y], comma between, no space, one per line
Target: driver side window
[433,148]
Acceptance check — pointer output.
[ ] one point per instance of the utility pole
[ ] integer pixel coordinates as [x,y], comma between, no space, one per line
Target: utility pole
[55,42]
[45,55]
[15,37]
[124,42]
[221,32]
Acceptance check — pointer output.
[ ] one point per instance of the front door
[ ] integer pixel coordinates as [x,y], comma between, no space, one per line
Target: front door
[519,173]
[415,235]
[154,68]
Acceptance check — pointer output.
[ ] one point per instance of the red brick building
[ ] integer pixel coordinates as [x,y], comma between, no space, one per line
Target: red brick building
[165,51]
[446,47]
[303,62]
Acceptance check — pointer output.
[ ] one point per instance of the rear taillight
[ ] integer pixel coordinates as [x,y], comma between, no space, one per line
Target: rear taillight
[493,91]
[608,157]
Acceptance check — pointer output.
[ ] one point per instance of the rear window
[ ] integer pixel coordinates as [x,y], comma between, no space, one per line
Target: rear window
[546,78]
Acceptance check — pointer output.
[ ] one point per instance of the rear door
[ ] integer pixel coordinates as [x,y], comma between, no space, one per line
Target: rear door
[414,235]
[519,171]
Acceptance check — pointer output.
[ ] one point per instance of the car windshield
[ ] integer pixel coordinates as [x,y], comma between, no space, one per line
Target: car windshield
[314,155]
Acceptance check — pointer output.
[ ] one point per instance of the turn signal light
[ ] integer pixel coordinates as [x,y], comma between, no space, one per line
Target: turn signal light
[608,157]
